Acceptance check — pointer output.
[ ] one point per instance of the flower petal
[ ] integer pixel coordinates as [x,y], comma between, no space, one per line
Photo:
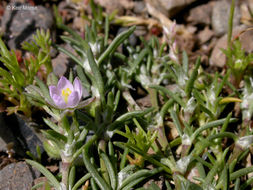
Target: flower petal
[78,87]
[73,99]
[59,102]
[64,83]
[53,90]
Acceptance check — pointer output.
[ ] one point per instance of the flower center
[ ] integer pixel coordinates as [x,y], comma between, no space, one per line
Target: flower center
[65,94]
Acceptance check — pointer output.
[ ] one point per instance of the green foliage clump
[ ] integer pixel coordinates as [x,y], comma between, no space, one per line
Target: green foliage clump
[15,76]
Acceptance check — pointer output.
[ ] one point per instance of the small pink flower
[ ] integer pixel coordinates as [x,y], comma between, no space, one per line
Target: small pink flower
[170,31]
[173,53]
[65,95]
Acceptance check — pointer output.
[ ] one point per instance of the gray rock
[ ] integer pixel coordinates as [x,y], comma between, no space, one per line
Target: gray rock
[140,31]
[205,35]
[14,129]
[60,64]
[220,17]
[112,5]
[20,21]
[28,135]
[170,7]
[17,176]
[7,137]
[201,14]
[139,7]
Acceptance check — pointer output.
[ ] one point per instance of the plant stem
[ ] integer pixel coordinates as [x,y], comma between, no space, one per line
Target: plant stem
[65,173]
[102,147]
[162,139]
[230,24]
[153,97]
[133,105]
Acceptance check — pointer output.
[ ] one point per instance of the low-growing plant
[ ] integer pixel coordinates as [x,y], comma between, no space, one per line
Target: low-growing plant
[237,60]
[87,117]
[61,100]
[15,76]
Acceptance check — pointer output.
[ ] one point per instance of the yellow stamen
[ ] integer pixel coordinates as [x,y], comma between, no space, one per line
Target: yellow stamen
[65,94]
